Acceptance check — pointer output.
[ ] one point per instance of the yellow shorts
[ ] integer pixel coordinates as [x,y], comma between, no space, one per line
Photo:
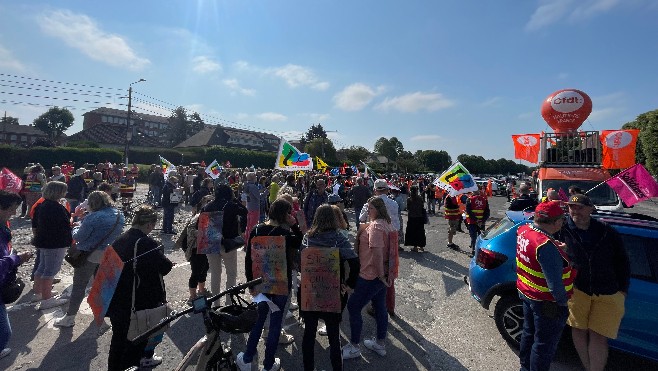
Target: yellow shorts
[599,313]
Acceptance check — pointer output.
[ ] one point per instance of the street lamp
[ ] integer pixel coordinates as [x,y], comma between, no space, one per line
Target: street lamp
[128,126]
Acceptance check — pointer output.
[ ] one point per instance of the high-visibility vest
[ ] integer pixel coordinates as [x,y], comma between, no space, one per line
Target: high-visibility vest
[32,183]
[451,208]
[478,207]
[530,279]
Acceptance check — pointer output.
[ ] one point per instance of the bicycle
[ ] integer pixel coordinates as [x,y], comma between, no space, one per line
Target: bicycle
[211,353]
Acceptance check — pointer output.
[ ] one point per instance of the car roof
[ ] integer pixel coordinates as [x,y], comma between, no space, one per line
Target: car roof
[611,217]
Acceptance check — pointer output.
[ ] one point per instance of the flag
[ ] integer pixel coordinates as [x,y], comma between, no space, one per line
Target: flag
[355,170]
[550,141]
[291,159]
[167,167]
[334,171]
[526,147]
[9,181]
[369,172]
[227,164]
[321,165]
[456,180]
[618,148]
[563,195]
[105,283]
[634,185]
[214,169]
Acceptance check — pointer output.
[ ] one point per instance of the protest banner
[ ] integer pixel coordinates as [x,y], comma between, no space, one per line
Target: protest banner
[320,283]
[268,260]
[105,283]
[209,235]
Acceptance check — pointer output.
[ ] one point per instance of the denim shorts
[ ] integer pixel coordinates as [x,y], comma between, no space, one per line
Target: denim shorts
[50,262]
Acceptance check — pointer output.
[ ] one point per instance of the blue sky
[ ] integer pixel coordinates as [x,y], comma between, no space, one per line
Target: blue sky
[460,76]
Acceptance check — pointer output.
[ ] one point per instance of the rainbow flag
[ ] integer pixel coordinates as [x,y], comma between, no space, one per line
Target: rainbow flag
[167,166]
[291,159]
[456,180]
[214,169]
[105,283]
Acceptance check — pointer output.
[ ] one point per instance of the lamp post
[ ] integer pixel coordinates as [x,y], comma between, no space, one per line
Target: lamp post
[128,126]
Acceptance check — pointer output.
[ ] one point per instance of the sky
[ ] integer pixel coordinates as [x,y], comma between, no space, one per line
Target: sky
[459,76]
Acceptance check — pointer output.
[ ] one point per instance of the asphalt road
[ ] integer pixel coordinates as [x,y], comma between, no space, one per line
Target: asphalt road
[439,326]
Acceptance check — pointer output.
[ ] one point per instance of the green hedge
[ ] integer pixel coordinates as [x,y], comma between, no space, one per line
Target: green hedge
[16,158]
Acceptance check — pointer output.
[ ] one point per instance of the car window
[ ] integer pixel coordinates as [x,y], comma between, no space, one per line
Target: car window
[637,248]
[499,227]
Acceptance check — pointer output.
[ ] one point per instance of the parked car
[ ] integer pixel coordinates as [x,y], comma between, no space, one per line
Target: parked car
[492,273]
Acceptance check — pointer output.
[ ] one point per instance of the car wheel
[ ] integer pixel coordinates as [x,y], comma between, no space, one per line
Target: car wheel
[508,315]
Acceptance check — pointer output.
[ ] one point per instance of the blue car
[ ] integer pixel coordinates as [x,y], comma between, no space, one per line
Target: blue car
[492,273]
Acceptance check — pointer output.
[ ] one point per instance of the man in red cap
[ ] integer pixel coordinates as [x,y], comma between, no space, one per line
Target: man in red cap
[544,279]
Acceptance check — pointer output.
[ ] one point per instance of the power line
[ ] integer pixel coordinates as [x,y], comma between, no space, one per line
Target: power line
[58,91]
[58,82]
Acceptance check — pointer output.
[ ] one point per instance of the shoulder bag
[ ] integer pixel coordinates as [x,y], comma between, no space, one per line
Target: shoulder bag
[143,320]
[76,258]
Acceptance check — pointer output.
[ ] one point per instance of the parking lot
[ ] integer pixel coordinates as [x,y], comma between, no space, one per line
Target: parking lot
[439,326]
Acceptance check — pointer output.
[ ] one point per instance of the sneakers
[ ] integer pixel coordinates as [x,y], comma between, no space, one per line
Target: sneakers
[5,352]
[375,347]
[150,362]
[323,330]
[276,366]
[242,365]
[66,321]
[351,351]
[37,297]
[51,303]
[453,246]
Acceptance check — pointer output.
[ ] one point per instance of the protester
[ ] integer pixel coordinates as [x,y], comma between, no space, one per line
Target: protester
[198,262]
[33,185]
[250,188]
[314,199]
[374,277]
[524,202]
[280,223]
[99,228]
[415,235]
[170,200]
[325,233]
[152,264]
[597,305]
[477,213]
[360,195]
[51,225]
[9,262]
[77,189]
[545,283]
[224,201]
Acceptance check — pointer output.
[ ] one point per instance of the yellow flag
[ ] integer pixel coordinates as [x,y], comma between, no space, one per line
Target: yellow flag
[321,165]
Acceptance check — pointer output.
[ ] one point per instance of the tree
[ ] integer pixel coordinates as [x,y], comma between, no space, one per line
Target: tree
[54,122]
[314,132]
[649,136]
[8,120]
[436,161]
[316,146]
[182,126]
[407,163]
[643,123]
[384,147]
[399,148]
[356,154]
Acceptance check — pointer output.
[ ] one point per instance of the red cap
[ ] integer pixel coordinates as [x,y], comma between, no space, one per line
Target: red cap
[549,209]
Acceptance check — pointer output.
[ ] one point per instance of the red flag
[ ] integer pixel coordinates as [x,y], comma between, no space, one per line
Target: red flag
[526,147]
[634,185]
[618,148]
[10,182]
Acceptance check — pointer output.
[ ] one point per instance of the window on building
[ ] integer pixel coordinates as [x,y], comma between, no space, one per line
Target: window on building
[104,118]
[23,138]
[13,137]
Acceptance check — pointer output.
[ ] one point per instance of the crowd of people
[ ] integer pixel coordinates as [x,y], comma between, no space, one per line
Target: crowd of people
[79,208]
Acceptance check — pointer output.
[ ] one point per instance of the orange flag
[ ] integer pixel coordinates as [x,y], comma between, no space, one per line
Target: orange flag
[526,147]
[618,148]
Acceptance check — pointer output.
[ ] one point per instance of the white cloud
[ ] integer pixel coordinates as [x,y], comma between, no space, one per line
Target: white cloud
[603,114]
[415,102]
[318,117]
[234,85]
[356,97]
[423,138]
[8,61]
[491,102]
[82,33]
[195,107]
[271,116]
[296,76]
[203,64]
[552,11]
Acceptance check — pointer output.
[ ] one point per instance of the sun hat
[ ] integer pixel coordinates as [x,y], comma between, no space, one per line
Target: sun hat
[381,184]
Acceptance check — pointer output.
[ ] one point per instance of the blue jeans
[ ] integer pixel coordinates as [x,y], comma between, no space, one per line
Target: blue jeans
[5,327]
[431,206]
[272,340]
[473,231]
[168,218]
[543,323]
[365,291]
[157,195]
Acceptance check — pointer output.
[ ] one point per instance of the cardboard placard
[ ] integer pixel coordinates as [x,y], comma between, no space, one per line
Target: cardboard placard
[320,282]
[209,236]
[268,260]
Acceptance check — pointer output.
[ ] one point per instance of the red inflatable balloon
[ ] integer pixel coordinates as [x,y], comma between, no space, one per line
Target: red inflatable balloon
[565,110]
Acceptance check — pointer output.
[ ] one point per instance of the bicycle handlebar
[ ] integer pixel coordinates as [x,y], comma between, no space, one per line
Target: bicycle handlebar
[174,315]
